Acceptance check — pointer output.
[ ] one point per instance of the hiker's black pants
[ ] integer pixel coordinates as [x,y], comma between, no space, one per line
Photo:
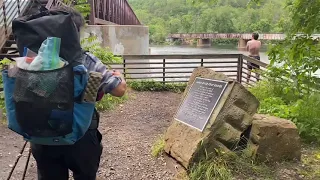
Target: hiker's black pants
[82,158]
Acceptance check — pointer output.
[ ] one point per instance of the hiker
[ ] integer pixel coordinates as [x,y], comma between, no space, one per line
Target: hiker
[253,47]
[71,141]
[83,157]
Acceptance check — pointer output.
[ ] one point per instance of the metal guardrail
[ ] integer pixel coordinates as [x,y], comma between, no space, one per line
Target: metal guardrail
[264,36]
[178,68]
[53,3]
[104,12]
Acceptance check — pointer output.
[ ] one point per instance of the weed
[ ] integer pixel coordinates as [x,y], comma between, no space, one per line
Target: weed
[109,102]
[158,147]
[311,164]
[181,175]
[217,168]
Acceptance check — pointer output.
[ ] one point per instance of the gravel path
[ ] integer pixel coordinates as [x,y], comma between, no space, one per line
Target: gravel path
[128,134]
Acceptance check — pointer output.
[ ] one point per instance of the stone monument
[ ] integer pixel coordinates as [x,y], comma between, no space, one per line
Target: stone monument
[214,113]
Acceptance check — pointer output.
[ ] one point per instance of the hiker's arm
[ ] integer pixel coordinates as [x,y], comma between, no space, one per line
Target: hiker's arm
[119,90]
[112,81]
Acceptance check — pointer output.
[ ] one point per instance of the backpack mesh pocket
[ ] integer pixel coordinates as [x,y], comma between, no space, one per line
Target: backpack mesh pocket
[44,101]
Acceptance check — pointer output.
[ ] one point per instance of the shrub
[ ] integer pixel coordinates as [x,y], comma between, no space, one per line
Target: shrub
[103,53]
[157,86]
[277,98]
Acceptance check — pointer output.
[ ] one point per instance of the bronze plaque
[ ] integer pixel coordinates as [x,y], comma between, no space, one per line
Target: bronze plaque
[201,100]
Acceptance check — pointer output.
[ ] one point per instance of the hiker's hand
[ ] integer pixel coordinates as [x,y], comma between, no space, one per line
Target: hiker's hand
[121,88]
[116,73]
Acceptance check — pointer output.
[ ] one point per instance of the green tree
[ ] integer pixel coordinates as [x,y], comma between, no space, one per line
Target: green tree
[81,5]
[225,16]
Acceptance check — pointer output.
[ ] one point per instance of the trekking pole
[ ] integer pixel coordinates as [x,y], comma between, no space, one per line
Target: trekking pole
[17,160]
[27,164]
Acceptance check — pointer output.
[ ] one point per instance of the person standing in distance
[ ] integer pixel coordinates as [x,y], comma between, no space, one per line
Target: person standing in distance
[253,47]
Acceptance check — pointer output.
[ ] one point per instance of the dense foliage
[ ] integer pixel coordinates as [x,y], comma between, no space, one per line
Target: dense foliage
[280,99]
[291,89]
[223,16]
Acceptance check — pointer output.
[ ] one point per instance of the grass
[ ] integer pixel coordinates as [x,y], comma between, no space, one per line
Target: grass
[216,168]
[109,102]
[158,147]
[227,166]
[310,168]
[242,166]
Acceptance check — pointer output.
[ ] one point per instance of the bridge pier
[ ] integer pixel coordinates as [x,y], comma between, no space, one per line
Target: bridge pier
[204,43]
[123,40]
[242,44]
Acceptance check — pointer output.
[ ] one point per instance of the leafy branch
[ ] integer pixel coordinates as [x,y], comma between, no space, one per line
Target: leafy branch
[103,53]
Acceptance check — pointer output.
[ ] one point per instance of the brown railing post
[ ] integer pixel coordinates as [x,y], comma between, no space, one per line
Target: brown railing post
[124,68]
[240,65]
[92,15]
[164,71]
[5,19]
[49,4]
[18,7]
[201,62]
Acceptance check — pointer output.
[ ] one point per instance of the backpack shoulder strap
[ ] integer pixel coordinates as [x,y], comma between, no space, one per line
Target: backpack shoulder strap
[95,120]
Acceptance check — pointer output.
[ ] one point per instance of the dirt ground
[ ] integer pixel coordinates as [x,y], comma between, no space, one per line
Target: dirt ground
[128,134]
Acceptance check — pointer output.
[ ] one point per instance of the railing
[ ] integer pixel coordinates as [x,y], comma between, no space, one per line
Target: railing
[53,3]
[178,68]
[9,10]
[267,36]
[105,11]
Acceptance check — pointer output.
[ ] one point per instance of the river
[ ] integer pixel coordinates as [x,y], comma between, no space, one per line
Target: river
[215,49]
[176,71]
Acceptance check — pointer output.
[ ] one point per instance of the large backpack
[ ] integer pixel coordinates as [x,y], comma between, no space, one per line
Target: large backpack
[45,107]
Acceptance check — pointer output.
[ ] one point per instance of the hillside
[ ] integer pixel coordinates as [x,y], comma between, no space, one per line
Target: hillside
[225,16]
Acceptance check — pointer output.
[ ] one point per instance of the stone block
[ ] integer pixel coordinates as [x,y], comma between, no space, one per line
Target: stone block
[230,118]
[274,139]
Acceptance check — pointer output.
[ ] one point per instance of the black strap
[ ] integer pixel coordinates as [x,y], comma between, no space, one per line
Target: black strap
[95,120]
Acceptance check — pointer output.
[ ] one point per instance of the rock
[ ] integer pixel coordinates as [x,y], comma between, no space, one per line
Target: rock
[231,117]
[274,139]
